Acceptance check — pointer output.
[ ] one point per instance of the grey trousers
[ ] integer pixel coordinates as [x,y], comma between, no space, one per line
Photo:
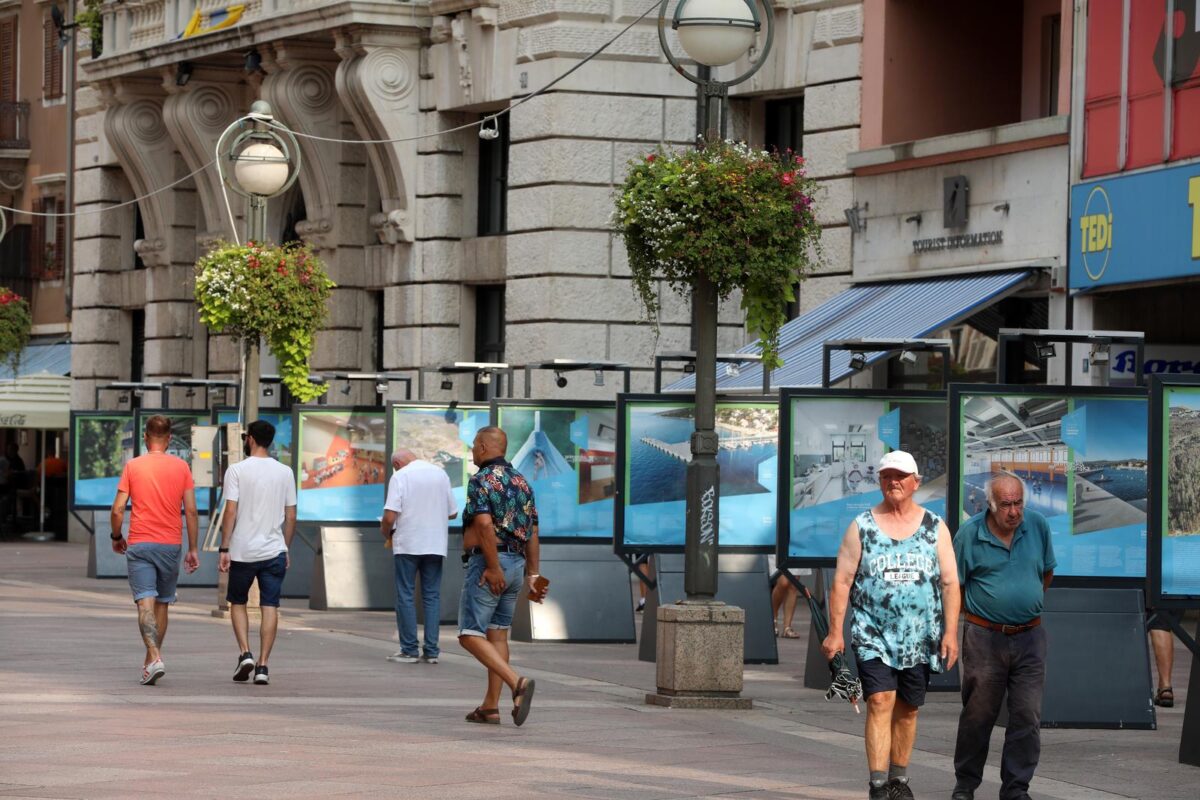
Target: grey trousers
[993,665]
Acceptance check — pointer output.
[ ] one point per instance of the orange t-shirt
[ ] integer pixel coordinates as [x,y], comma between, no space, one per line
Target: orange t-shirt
[155,483]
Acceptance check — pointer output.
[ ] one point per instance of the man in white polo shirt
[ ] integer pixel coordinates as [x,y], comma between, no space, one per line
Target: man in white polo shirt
[416,518]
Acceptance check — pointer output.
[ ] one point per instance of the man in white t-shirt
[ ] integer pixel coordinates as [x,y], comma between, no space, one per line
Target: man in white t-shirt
[259,522]
[416,518]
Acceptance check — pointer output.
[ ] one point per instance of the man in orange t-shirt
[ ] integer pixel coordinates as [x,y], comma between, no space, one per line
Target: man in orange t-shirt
[159,485]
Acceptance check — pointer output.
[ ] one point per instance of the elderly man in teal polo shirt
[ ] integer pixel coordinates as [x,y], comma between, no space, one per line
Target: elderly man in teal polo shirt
[1005,564]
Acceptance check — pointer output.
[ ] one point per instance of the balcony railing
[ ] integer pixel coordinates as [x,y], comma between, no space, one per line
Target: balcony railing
[14,125]
[129,26]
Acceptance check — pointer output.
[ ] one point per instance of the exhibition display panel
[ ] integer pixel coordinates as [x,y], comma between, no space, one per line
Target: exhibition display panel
[281,448]
[1174,539]
[1083,455]
[653,451]
[101,443]
[181,441]
[441,435]
[341,463]
[567,451]
[832,441]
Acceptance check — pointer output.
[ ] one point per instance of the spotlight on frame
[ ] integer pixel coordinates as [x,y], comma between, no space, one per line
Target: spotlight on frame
[1045,350]
[560,380]
[858,361]
[447,385]
[908,357]
[599,377]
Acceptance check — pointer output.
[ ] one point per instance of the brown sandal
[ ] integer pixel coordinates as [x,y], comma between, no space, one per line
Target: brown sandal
[524,694]
[1165,697]
[484,716]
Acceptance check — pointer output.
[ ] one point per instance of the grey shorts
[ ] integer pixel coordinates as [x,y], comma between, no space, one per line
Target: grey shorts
[153,570]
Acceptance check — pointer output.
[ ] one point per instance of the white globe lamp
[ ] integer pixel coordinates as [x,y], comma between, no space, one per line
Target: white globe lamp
[715,32]
[261,168]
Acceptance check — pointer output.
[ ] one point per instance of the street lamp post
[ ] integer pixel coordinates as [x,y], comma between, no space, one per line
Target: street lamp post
[266,162]
[713,33]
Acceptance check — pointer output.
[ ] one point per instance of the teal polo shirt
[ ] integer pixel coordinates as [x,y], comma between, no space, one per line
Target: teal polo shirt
[1004,584]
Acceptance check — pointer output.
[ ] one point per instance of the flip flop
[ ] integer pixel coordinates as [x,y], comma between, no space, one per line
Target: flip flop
[523,692]
[484,716]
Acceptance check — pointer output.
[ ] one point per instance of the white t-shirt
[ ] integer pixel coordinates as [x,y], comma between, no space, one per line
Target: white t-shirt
[262,488]
[421,496]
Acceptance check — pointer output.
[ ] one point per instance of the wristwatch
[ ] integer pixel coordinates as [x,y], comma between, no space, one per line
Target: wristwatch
[222,549]
[115,536]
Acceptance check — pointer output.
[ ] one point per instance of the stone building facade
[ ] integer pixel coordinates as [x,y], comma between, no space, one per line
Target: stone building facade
[444,248]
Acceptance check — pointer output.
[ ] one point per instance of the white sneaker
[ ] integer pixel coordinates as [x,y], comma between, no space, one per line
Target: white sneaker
[401,658]
[152,672]
[428,659]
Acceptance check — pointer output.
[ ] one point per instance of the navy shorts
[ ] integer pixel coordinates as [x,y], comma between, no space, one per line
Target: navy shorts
[1157,618]
[270,574]
[908,684]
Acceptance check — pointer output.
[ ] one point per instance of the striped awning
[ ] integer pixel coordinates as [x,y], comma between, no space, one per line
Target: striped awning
[897,310]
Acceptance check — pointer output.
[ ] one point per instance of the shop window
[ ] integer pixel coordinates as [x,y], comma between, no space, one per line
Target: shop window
[52,62]
[137,345]
[783,125]
[493,181]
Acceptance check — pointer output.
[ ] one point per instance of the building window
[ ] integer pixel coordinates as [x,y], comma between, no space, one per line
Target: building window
[489,329]
[52,62]
[137,345]
[374,324]
[1051,63]
[49,239]
[493,181]
[784,125]
[8,62]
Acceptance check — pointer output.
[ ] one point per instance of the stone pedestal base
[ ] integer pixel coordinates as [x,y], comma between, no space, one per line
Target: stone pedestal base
[699,656]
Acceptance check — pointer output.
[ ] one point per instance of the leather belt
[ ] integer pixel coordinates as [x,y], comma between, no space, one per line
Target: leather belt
[478,551]
[1007,630]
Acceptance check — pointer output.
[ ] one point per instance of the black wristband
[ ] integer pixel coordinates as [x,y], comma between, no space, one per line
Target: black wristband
[222,549]
[115,536]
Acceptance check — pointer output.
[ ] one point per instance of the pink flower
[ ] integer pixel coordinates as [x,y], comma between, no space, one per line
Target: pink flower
[787,178]
[650,158]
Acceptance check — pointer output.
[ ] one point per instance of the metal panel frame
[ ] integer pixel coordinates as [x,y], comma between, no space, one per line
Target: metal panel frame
[619,546]
[1155,522]
[954,488]
[498,405]
[296,411]
[784,516]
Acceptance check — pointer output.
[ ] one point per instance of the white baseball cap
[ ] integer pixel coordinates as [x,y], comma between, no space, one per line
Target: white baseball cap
[900,461]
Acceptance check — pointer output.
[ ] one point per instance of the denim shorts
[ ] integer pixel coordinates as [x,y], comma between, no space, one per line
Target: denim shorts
[270,574]
[153,570]
[478,609]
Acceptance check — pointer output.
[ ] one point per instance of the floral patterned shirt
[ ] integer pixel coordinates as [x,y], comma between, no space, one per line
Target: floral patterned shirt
[498,490]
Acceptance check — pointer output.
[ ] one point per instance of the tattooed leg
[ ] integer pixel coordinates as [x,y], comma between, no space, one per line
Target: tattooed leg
[148,625]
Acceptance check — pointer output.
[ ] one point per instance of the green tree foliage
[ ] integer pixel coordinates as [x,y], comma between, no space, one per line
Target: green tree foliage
[101,447]
[745,218]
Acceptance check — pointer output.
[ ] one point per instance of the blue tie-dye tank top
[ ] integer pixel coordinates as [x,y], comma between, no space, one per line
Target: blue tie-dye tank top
[897,596]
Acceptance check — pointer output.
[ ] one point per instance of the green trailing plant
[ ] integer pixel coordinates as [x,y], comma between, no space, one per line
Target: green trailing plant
[277,293]
[15,324]
[88,17]
[745,218]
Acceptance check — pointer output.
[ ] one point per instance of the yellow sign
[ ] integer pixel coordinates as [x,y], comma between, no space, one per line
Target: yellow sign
[1096,233]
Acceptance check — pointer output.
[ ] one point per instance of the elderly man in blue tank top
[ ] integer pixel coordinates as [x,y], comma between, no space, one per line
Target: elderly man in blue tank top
[1006,562]
[896,569]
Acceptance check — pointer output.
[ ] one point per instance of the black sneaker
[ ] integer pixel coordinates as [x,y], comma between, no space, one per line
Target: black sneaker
[260,674]
[899,789]
[879,793]
[245,665]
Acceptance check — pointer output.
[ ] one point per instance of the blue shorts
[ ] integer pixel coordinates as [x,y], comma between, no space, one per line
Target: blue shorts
[153,570]
[270,574]
[478,609]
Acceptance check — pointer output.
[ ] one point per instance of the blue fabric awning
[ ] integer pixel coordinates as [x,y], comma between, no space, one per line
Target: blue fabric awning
[42,357]
[898,310]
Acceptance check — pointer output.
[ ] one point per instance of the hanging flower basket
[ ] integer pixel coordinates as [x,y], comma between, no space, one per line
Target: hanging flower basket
[277,293]
[15,324]
[744,218]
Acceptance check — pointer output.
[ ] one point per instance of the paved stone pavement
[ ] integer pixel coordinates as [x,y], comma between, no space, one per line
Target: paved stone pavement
[340,721]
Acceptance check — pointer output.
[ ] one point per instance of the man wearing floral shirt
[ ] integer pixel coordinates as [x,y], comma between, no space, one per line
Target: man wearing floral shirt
[500,553]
